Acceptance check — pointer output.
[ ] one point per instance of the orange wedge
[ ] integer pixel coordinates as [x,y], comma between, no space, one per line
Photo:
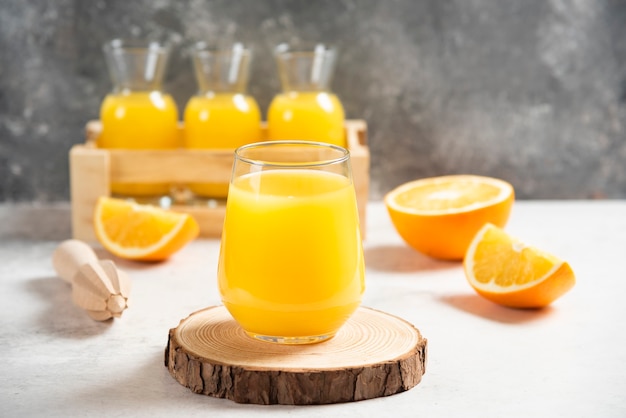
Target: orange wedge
[510,273]
[141,232]
[439,216]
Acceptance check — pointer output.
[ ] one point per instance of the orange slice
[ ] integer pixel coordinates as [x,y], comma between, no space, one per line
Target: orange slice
[439,216]
[510,273]
[141,232]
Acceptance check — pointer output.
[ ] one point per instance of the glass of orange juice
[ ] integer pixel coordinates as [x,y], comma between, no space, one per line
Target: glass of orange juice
[138,114]
[291,265]
[307,108]
[221,115]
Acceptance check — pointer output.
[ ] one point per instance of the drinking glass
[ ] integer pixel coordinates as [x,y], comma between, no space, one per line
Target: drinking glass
[291,265]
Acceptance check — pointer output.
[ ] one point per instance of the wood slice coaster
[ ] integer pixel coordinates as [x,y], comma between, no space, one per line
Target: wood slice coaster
[374,354]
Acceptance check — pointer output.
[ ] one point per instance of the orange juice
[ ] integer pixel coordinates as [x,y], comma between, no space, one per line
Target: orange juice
[291,261]
[139,120]
[220,121]
[308,115]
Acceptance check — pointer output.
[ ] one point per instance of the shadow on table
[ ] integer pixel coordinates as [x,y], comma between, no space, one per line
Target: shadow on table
[476,305]
[146,388]
[61,317]
[402,259]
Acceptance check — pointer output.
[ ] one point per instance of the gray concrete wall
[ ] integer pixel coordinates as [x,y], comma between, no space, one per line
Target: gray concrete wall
[531,91]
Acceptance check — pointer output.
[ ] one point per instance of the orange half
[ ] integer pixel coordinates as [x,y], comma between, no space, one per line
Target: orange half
[439,216]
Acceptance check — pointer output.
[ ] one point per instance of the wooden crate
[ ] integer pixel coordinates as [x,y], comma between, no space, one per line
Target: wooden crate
[92,170]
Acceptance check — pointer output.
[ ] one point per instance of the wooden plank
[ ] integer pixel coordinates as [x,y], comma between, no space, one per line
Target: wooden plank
[89,179]
[356,138]
[171,166]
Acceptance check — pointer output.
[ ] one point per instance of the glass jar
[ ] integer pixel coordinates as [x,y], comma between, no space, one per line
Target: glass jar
[306,109]
[138,114]
[221,115]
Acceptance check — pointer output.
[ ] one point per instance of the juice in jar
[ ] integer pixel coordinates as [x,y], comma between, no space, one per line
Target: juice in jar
[306,109]
[220,121]
[139,120]
[291,259]
[308,115]
[137,114]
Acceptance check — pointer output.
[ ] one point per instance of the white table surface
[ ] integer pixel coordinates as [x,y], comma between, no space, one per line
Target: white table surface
[568,360]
